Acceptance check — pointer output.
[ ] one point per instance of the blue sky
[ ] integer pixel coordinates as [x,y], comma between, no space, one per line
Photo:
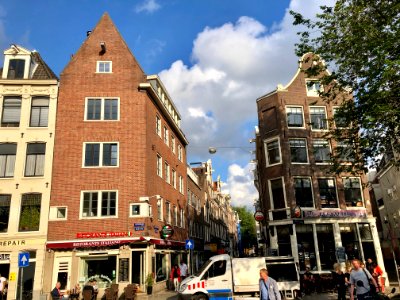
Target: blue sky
[215,57]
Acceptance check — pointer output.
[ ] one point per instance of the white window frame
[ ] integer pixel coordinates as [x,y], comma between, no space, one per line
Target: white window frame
[326,117]
[160,209]
[308,158]
[168,212]
[270,191]
[302,113]
[330,150]
[277,138]
[181,184]
[103,62]
[173,178]
[53,214]
[361,189]
[102,99]
[167,172]
[158,125]
[100,155]
[312,192]
[173,144]
[334,109]
[175,216]
[313,92]
[166,136]
[81,217]
[182,219]
[159,166]
[180,152]
[144,210]
[337,195]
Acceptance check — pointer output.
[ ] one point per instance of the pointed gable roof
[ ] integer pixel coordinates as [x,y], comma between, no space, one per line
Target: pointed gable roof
[42,71]
[104,30]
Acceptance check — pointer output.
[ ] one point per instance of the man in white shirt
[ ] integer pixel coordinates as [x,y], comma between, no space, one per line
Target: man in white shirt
[184,270]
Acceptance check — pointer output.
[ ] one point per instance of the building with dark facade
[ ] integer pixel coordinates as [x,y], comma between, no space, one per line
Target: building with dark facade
[312,214]
[119,171]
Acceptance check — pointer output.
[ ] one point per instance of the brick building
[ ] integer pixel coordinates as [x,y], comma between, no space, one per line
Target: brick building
[28,102]
[119,170]
[311,214]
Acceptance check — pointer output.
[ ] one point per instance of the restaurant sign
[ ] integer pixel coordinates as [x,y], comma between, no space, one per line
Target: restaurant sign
[335,213]
[104,234]
[167,231]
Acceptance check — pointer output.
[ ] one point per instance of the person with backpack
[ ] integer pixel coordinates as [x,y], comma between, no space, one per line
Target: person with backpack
[360,279]
[268,287]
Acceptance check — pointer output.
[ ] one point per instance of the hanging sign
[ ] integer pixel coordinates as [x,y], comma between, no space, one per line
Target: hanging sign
[259,216]
[167,231]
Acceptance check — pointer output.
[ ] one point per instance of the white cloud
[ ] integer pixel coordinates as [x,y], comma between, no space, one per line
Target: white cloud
[240,186]
[148,6]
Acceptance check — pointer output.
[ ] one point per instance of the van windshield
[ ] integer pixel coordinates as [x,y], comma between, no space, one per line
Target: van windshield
[203,267]
[282,272]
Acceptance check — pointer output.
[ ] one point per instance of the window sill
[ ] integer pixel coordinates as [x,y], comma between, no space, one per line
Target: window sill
[319,130]
[103,72]
[323,163]
[92,121]
[33,177]
[56,220]
[139,216]
[100,167]
[7,178]
[300,163]
[274,164]
[38,128]
[97,218]
[290,127]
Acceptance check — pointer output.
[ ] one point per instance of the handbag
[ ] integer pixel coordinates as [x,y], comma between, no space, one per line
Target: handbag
[372,287]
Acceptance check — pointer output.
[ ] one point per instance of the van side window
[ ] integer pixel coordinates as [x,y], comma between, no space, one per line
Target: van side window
[218,268]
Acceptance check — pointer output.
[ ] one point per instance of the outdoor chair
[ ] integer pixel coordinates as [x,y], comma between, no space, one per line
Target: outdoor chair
[130,292]
[87,295]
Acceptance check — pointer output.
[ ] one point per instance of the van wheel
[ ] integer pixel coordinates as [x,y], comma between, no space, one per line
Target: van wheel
[200,297]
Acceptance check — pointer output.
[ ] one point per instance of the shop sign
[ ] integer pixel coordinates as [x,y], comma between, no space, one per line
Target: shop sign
[335,214]
[211,247]
[104,234]
[259,216]
[138,226]
[167,231]
[4,256]
[13,243]
[100,277]
[96,244]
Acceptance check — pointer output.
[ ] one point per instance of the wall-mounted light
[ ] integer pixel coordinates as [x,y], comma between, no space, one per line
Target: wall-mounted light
[22,134]
[16,186]
[47,184]
[103,48]
[50,134]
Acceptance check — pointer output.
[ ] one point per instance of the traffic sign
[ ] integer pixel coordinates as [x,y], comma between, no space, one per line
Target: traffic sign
[189,245]
[23,259]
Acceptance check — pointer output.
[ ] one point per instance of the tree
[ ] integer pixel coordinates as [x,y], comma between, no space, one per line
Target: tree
[360,41]
[247,227]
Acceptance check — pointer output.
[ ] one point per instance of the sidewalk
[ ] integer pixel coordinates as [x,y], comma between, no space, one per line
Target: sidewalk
[161,295]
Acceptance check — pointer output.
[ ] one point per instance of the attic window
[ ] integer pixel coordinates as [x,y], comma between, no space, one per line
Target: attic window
[16,68]
[104,67]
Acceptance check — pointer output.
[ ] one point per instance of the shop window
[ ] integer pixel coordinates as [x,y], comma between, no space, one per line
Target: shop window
[35,158]
[102,269]
[161,267]
[352,192]
[29,219]
[283,237]
[278,199]
[350,240]
[16,69]
[5,201]
[298,150]
[305,245]
[294,116]
[303,192]
[318,118]
[367,241]
[326,246]
[322,151]
[273,150]
[327,192]
[11,112]
[8,153]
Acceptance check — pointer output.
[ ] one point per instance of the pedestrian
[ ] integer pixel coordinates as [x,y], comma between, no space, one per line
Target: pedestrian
[3,287]
[268,287]
[183,268]
[175,276]
[340,281]
[56,293]
[308,281]
[376,274]
[359,279]
[369,265]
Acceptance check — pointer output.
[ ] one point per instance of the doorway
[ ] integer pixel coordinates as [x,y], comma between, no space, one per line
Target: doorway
[137,261]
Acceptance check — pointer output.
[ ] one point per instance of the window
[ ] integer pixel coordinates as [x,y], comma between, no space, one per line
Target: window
[104,67]
[294,115]
[173,144]
[158,126]
[99,204]
[16,69]
[173,183]
[353,192]
[303,192]
[103,267]
[135,210]
[318,118]
[217,269]
[58,213]
[345,151]
[102,109]
[101,155]
[180,152]
[175,216]
[159,166]
[277,195]
[8,153]
[181,189]
[39,112]
[326,246]
[340,120]
[160,209]
[327,192]
[11,112]
[298,150]
[161,266]
[29,218]
[168,212]
[283,239]
[350,240]
[182,218]
[313,87]
[166,136]
[306,248]
[167,173]
[322,151]
[35,157]
[273,152]
[5,202]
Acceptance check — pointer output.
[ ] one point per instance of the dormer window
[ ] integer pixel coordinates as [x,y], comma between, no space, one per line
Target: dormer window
[104,67]
[16,69]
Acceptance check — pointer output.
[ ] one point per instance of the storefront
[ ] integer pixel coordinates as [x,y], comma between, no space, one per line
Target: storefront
[111,261]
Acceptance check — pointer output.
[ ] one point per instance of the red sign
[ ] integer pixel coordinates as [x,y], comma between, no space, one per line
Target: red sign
[167,231]
[336,213]
[106,234]
[259,215]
